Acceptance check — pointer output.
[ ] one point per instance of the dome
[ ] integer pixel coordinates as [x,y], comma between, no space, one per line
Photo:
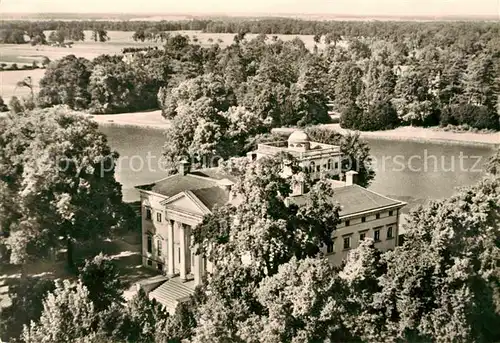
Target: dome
[298,136]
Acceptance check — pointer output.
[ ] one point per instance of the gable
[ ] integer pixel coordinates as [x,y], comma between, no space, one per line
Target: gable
[186,202]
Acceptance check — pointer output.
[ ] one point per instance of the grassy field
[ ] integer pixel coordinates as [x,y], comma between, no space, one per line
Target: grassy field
[9,79]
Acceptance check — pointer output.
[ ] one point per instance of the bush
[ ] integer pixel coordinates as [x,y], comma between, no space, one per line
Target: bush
[101,277]
[14,66]
[3,106]
[15,105]
[479,117]
[381,116]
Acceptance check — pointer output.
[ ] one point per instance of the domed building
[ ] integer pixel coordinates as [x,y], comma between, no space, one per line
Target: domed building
[299,141]
[318,158]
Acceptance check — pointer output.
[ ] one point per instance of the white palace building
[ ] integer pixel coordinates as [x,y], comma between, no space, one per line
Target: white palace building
[173,206]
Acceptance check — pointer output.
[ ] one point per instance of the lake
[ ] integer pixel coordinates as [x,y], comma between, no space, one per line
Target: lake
[410,171]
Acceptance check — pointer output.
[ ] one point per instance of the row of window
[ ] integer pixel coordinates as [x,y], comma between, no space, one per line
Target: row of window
[313,167]
[347,240]
[363,219]
[149,215]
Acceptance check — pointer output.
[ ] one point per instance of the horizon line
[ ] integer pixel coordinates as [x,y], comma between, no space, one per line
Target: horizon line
[325,16]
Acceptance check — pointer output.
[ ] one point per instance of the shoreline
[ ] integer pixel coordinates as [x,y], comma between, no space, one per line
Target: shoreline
[145,120]
[421,135]
[153,120]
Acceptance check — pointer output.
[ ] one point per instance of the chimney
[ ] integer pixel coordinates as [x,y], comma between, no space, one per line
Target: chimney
[351,178]
[287,169]
[183,167]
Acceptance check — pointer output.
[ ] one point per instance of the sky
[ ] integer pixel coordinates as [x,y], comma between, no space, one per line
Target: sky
[350,7]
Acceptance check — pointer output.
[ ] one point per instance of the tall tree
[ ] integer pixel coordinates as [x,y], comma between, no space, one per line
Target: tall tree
[68,194]
[66,82]
[101,278]
[68,315]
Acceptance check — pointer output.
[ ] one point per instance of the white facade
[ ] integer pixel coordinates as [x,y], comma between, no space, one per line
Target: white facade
[319,159]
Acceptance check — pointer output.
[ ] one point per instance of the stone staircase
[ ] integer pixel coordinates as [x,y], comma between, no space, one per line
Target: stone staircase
[172,292]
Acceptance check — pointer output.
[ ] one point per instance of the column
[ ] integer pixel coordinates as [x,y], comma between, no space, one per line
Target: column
[198,269]
[171,252]
[182,244]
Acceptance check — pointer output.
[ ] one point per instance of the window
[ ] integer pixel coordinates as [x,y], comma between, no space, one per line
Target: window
[362,236]
[158,217]
[347,223]
[318,168]
[158,247]
[376,235]
[312,167]
[377,216]
[150,263]
[150,244]
[329,248]
[363,219]
[329,164]
[179,253]
[159,266]
[336,165]
[391,213]
[148,213]
[347,243]
[389,232]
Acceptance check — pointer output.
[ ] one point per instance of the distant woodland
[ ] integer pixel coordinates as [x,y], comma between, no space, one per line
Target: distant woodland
[376,75]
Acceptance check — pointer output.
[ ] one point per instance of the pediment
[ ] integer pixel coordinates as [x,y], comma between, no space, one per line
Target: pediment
[186,202]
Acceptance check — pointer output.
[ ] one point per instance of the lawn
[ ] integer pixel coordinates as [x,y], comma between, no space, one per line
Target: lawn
[124,250]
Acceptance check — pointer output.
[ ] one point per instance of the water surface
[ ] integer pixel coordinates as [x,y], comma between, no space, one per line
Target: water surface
[409,171]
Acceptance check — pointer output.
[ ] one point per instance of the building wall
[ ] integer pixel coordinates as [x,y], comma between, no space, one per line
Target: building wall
[322,162]
[357,226]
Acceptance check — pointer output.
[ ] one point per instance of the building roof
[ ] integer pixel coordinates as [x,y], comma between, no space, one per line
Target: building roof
[212,196]
[214,173]
[354,199]
[177,183]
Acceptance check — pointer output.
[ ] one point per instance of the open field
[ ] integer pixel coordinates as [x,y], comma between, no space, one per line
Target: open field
[9,79]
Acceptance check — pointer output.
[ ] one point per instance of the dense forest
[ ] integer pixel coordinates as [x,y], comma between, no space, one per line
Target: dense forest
[426,78]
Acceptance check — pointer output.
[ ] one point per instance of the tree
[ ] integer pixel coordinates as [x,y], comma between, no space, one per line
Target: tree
[57,36]
[65,196]
[413,100]
[442,284]
[493,165]
[26,305]
[100,35]
[252,239]
[209,86]
[15,105]
[66,82]
[304,302]
[68,315]
[101,278]
[348,86]
[116,86]
[3,106]
[138,320]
